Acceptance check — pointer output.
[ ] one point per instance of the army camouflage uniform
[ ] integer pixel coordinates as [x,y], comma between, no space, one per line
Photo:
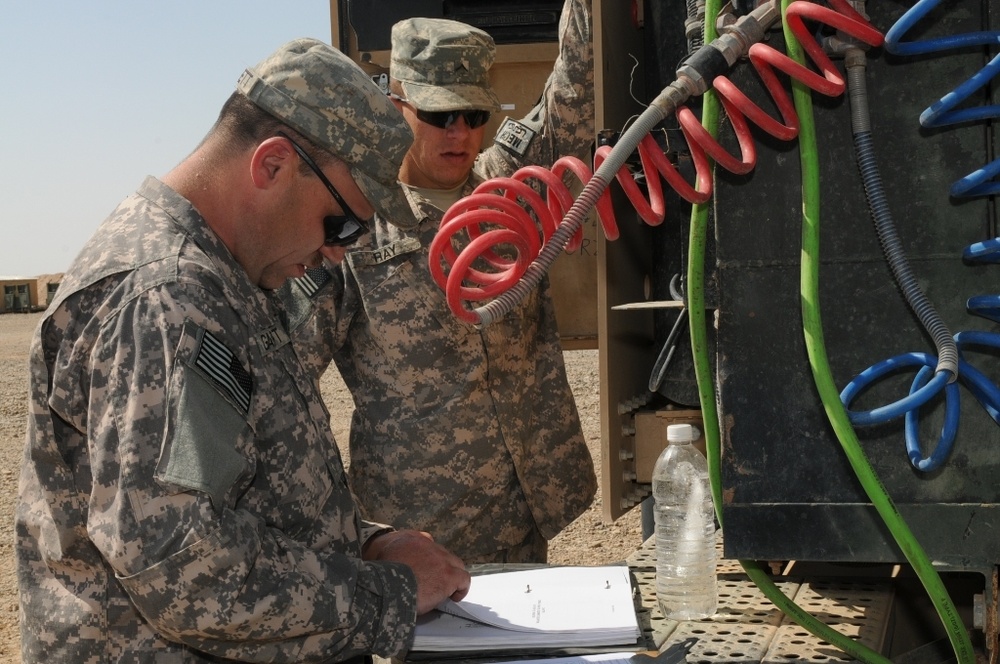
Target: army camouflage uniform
[182,499]
[180,464]
[470,434]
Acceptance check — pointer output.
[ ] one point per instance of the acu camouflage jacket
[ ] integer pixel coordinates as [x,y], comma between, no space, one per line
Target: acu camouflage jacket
[470,434]
[181,497]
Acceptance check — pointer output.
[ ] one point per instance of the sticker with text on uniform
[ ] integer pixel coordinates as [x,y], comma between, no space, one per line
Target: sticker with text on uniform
[515,137]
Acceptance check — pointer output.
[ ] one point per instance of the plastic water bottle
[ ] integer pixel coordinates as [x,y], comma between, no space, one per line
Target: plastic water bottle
[686,586]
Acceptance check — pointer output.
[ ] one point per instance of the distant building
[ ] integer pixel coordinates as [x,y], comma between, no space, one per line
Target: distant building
[25,294]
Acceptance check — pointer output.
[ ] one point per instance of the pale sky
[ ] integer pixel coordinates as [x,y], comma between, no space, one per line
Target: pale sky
[97,94]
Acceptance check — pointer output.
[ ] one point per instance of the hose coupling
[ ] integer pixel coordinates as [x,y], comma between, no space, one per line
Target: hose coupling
[716,58]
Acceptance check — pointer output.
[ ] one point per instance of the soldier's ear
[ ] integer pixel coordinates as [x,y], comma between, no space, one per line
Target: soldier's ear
[272,161]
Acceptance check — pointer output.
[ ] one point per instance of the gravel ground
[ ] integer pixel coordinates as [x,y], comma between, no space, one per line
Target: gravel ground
[587,541]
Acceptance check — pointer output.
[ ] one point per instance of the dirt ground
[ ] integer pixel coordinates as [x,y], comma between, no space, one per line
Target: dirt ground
[587,541]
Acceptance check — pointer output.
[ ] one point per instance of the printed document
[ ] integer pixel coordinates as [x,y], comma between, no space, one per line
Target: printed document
[544,607]
[606,658]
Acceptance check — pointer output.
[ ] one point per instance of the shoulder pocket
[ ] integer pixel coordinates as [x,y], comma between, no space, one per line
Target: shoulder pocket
[207,426]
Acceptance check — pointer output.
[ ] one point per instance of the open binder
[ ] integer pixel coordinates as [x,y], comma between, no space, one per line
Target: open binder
[547,607]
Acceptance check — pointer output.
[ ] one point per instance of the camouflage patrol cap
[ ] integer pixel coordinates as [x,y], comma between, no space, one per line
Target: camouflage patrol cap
[443,65]
[322,94]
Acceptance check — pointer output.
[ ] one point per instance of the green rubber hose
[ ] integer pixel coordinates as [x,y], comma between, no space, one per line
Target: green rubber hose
[814,340]
[813,330]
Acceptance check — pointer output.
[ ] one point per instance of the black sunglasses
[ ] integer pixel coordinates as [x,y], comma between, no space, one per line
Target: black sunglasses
[339,230]
[444,119]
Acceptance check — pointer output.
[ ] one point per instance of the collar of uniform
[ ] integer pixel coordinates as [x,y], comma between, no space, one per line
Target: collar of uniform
[256,309]
[389,239]
[425,211]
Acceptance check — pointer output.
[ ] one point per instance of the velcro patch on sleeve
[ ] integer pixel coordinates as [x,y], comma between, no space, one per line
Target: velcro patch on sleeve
[515,137]
[313,280]
[224,368]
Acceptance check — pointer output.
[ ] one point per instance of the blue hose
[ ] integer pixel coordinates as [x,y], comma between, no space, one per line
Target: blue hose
[934,376]
[899,408]
[987,251]
[983,389]
[948,431]
[944,111]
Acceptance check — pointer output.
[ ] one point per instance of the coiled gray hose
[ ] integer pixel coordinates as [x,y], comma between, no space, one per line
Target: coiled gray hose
[885,227]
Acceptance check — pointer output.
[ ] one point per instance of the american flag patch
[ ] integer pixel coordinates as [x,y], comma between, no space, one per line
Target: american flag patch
[225,369]
[313,280]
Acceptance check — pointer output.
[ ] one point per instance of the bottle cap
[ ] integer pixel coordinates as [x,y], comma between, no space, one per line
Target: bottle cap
[678,433]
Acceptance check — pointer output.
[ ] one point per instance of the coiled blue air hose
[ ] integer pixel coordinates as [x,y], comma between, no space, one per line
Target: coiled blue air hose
[922,390]
[924,387]
[945,111]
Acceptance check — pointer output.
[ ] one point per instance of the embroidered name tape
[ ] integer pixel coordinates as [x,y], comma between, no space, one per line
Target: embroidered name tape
[272,339]
[386,252]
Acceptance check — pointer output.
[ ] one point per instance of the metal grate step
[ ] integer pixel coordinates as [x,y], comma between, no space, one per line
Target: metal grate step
[749,628]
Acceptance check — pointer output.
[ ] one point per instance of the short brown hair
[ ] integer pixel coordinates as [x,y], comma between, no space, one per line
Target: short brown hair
[243,125]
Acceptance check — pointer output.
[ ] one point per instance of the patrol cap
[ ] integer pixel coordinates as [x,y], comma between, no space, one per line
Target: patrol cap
[443,65]
[322,94]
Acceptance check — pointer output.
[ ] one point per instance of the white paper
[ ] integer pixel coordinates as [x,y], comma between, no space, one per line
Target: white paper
[608,658]
[543,607]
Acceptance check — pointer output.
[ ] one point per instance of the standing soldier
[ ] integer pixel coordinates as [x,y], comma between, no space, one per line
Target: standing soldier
[470,434]
[181,497]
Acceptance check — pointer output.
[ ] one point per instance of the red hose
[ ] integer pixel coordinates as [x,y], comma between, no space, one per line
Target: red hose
[492,216]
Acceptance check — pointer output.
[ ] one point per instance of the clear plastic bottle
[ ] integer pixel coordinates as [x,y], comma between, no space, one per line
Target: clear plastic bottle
[686,583]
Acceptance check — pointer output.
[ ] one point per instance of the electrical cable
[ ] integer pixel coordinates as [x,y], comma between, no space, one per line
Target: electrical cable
[884,224]
[947,364]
